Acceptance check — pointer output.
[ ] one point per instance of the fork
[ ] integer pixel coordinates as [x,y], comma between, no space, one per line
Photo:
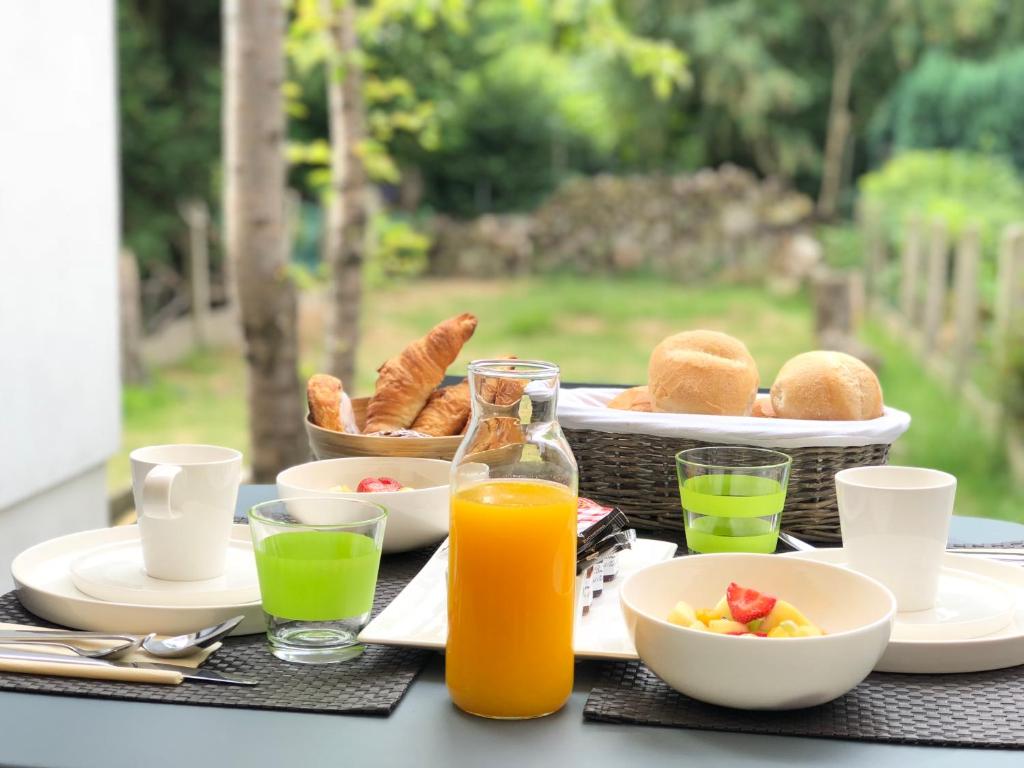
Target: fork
[113,652]
[996,553]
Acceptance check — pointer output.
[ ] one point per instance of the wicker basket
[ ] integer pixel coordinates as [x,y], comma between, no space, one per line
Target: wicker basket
[328,444]
[636,472]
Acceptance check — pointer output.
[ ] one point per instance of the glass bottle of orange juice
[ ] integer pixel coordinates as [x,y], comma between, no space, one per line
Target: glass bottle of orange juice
[512,547]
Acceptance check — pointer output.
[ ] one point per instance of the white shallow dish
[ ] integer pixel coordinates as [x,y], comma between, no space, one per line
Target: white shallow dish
[116,574]
[42,576]
[418,617]
[856,613]
[911,650]
[416,518]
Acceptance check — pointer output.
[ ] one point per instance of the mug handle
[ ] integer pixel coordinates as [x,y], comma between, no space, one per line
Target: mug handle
[156,492]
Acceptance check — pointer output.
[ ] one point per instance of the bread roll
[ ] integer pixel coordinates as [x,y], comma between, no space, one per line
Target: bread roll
[763,407]
[323,394]
[702,372]
[633,399]
[827,386]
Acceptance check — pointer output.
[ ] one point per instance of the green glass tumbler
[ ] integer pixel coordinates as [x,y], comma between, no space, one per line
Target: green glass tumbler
[732,497]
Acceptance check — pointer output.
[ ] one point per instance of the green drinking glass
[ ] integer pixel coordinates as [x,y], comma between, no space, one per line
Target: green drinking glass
[732,497]
[317,562]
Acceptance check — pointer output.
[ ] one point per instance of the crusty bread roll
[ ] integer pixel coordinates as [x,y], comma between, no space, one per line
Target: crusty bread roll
[702,372]
[828,386]
[633,399]
[763,407]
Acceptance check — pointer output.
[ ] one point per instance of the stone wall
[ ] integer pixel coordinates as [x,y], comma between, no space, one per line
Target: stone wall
[723,222]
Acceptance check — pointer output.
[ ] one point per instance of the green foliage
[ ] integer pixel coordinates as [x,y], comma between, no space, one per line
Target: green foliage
[398,249]
[516,127]
[959,187]
[495,102]
[947,102]
[842,246]
[1011,379]
[169,91]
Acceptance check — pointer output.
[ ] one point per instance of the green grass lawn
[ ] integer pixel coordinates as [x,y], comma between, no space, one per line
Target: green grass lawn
[597,330]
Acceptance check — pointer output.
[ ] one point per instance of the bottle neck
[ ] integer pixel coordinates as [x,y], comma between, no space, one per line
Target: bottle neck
[508,393]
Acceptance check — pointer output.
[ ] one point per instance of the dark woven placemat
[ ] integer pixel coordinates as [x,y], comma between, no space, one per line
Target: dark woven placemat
[371,684]
[980,709]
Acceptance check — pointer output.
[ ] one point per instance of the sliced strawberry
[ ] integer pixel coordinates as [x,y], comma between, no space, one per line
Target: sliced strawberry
[737,633]
[747,604]
[378,484]
[761,634]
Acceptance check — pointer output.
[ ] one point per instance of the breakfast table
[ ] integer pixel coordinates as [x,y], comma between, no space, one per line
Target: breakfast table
[424,728]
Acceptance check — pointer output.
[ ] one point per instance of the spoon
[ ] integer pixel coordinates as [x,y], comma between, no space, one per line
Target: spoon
[797,544]
[113,652]
[183,645]
[167,648]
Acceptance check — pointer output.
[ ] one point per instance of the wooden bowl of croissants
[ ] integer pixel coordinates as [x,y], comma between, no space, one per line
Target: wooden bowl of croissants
[408,413]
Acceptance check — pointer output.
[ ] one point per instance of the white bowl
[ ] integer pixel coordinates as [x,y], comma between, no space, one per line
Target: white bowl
[855,611]
[416,518]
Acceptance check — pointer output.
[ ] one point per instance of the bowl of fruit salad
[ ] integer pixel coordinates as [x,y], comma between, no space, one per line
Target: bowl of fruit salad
[414,491]
[753,632]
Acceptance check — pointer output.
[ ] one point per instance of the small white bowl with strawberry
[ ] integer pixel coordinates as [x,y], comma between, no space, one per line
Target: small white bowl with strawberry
[753,631]
[414,491]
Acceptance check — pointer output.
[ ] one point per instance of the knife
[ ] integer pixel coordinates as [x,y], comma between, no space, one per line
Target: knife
[199,674]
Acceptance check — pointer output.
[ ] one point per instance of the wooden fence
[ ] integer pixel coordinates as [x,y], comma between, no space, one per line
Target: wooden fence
[937,306]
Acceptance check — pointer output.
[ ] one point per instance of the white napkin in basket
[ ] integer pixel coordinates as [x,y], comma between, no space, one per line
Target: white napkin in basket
[585,408]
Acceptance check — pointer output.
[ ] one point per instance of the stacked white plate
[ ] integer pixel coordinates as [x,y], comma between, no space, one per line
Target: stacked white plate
[977,623]
[95,580]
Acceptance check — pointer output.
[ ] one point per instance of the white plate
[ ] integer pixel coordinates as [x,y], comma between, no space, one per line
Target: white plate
[115,573]
[912,650]
[418,617]
[42,576]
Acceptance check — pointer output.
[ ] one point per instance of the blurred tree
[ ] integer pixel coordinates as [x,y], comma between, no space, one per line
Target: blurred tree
[755,80]
[762,96]
[347,213]
[946,102]
[257,242]
[169,91]
[854,29]
[328,34]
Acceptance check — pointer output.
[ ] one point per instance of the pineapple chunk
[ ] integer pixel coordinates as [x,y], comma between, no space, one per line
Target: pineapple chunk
[785,628]
[789,628]
[725,626]
[720,611]
[783,611]
[809,630]
[684,615]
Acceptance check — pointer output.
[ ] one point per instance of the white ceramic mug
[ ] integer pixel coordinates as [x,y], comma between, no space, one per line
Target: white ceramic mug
[895,523]
[185,499]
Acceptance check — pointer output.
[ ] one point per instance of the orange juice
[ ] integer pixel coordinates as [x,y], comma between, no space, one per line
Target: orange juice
[511,579]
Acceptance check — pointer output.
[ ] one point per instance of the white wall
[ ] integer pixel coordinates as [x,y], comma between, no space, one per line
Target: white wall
[59,379]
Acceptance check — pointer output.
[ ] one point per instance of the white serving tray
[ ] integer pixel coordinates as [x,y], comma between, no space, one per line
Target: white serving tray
[42,576]
[914,652]
[418,617]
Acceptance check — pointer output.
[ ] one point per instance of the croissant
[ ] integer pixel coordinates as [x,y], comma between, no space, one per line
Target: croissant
[496,390]
[323,393]
[406,381]
[496,432]
[635,399]
[446,411]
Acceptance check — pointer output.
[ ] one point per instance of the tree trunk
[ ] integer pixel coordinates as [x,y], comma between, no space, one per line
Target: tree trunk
[197,217]
[838,131]
[133,370]
[347,202]
[254,131]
